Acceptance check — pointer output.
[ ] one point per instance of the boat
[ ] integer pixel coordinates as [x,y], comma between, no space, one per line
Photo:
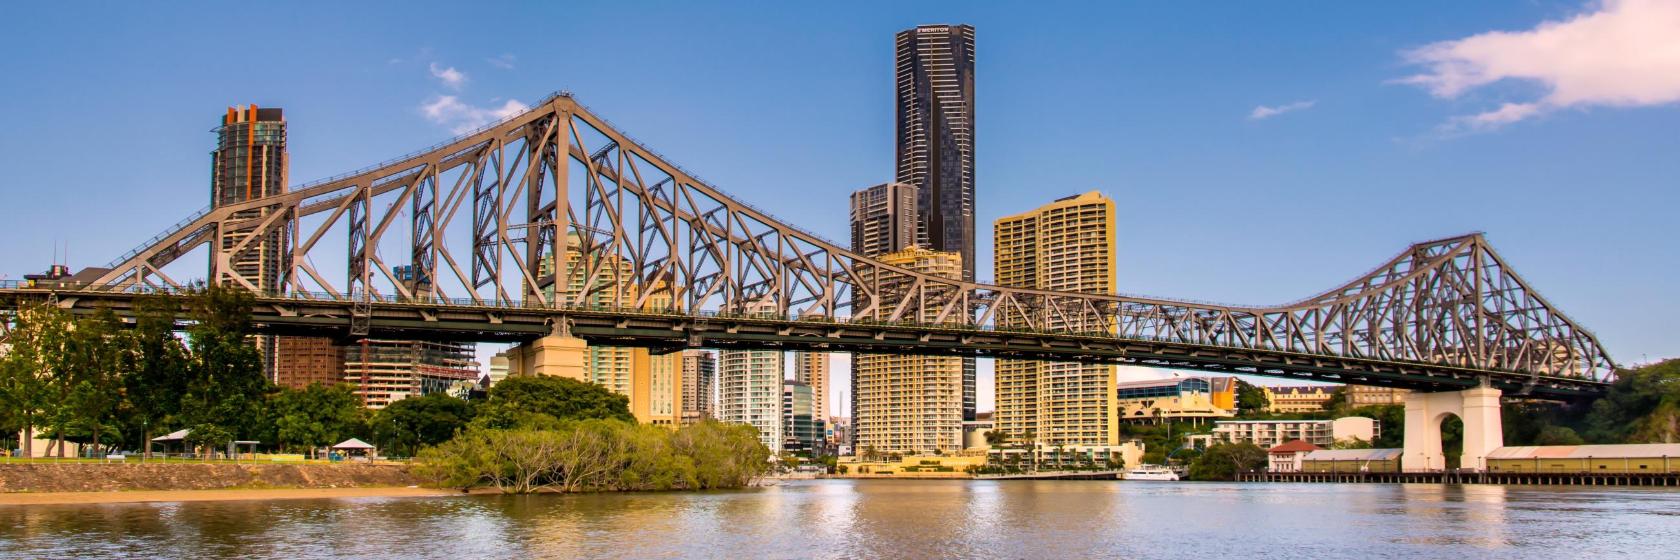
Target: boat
[1150,472]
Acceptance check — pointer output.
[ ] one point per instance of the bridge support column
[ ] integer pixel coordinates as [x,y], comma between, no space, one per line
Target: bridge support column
[1484,429]
[554,354]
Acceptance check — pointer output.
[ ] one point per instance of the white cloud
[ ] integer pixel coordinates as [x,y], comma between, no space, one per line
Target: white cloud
[449,76]
[504,62]
[1264,112]
[461,118]
[1624,54]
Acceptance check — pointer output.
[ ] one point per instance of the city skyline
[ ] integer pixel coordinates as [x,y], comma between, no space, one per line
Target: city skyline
[1550,257]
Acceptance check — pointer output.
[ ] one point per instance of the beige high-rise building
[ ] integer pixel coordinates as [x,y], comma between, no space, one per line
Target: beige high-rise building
[699,380]
[750,392]
[651,381]
[1067,245]
[910,404]
[811,368]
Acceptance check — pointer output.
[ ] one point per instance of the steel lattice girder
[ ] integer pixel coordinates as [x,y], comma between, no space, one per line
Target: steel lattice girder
[567,211]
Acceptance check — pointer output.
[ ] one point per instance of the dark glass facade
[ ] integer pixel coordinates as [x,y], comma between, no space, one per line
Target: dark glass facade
[935,148]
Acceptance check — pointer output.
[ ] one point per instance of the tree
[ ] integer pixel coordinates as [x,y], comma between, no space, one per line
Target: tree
[227,384]
[161,371]
[1224,461]
[40,335]
[1337,402]
[1643,406]
[541,401]
[407,425]
[1558,435]
[315,416]
[997,438]
[101,352]
[1350,443]
[1251,399]
[208,438]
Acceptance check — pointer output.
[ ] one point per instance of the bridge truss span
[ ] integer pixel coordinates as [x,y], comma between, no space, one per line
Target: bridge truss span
[557,212]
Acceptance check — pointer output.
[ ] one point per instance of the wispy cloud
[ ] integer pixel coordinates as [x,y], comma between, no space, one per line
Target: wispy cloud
[449,76]
[462,117]
[1623,53]
[1264,112]
[505,61]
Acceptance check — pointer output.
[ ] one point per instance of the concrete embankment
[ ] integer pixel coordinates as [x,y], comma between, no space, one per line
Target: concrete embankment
[91,477]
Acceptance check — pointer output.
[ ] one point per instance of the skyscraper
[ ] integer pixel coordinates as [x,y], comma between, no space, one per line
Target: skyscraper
[884,219]
[250,163]
[936,134]
[909,404]
[750,392]
[1067,245]
[811,368]
[699,376]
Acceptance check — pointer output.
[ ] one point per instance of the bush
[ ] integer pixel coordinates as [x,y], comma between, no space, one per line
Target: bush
[598,455]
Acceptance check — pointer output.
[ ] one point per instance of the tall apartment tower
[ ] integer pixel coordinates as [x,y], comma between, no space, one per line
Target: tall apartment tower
[750,392]
[1067,245]
[811,368]
[699,378]
[935,147]
[909,404]
[653,382]
[884,219]
[936,134]
[249,163]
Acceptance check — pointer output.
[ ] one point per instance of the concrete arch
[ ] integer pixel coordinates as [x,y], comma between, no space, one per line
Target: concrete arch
[1483,428]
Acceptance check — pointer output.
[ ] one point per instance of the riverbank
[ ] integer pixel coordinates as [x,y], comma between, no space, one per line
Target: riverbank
[118,477]
[61,498]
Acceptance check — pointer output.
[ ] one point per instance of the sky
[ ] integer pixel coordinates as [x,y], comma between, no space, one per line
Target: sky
[1258,153]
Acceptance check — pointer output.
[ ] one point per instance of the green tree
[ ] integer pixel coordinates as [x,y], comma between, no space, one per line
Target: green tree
[997,438]
[101,352]
[1558,435]
[1251,399]
[315,416]
[540,401]
[207,438]
[1224,461]
[40,337]
[227,385]
[1642,406]
[162,369]
[405,426]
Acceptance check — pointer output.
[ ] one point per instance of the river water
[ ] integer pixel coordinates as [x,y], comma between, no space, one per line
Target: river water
[887,519]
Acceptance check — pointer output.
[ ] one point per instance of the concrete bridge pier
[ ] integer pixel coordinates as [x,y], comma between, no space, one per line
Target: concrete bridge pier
[555,354]
[1484,430]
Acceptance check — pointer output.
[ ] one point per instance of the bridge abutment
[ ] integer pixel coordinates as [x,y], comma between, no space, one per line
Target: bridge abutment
[1484,429]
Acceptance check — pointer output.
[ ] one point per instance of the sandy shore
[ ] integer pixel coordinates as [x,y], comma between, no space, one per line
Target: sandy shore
[46,498]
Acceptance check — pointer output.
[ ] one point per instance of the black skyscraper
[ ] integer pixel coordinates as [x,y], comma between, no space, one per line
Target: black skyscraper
[936,145]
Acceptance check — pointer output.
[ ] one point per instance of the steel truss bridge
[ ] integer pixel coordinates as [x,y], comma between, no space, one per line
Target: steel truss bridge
[459,242]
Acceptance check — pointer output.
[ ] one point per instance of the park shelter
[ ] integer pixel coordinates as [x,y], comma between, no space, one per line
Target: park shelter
[354,446]
[177,437]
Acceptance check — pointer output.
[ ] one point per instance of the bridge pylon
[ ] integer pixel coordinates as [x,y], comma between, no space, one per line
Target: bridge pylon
[1484,429]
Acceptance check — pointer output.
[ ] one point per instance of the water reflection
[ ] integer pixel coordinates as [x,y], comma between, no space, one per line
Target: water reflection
[883,519]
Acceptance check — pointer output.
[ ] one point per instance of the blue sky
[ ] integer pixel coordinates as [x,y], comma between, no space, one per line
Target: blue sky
[1572,171]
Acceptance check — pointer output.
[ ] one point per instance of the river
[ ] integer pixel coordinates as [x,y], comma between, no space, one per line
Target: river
[887,519]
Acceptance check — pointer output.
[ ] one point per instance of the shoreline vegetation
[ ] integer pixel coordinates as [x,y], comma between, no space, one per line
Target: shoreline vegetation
[219,494]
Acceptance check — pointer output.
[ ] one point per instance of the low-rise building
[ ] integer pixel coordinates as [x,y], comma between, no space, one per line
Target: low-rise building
[1271,433]
[1126,455]
[1630,458]
[1363,395]
[1166,400]
[1298,400]
[1287,456]
[1351,461]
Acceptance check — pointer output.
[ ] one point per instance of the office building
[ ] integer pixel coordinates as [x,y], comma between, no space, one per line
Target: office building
[801,432]
[1178,399]
[499,368]
[386,371]
[1067,245]
[909,404]
[249,163]
[699,378]
[811,368]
